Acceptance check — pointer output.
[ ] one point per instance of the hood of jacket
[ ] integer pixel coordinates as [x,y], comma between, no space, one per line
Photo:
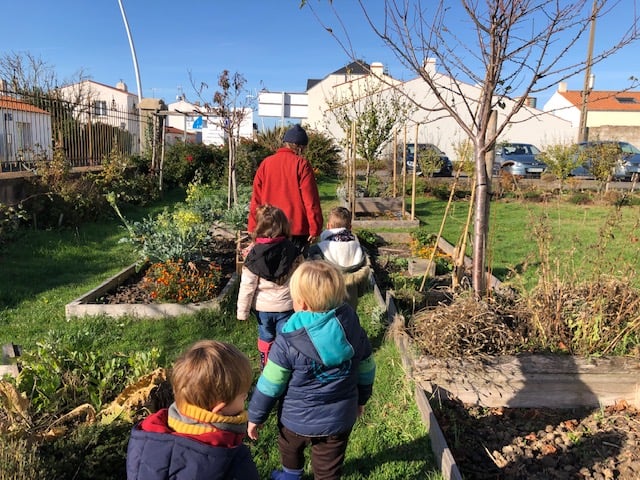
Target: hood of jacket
[272,260]
[320,335]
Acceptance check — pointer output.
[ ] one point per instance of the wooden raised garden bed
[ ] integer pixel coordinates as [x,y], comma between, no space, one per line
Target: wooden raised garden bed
[88,303]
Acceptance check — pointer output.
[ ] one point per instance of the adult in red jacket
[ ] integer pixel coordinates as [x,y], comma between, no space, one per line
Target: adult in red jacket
[286,180]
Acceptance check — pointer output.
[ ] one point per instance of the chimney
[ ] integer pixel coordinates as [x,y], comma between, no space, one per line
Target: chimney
[429,65]
[531,102]
[562,87]
[377,69]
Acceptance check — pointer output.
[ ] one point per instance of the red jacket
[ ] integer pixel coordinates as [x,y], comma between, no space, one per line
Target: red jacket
[286,180]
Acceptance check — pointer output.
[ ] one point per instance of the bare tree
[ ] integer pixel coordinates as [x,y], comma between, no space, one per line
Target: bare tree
[518,48]
[229,109]
[24,72]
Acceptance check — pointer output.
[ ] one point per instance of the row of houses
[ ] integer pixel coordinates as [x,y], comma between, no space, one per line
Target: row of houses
[89,119]
[106,116]
[610,114]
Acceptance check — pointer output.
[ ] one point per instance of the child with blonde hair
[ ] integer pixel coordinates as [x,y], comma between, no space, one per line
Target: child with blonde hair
[320,371]
[264,282]
[339,246]
[201,434]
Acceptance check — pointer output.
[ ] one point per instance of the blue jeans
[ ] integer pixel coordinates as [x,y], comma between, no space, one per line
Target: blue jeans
[270,324]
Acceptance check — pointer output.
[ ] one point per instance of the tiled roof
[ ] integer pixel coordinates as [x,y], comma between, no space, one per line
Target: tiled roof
[11,103]
[603,100]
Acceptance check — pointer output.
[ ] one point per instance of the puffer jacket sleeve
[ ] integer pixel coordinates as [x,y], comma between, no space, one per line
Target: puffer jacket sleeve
[248,285]
[272,383]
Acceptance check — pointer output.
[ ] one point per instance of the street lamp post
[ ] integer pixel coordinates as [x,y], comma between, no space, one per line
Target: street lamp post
[133,51]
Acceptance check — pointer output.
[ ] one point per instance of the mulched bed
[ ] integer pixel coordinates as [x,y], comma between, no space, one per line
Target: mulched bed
[221,250]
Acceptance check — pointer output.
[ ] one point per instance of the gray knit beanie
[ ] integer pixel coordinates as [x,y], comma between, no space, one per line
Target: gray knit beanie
[296,135]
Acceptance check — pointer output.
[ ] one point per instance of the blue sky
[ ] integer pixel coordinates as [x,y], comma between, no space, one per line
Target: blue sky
[273,43]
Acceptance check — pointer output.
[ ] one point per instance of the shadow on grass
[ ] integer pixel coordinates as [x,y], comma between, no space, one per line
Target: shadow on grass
[415,457]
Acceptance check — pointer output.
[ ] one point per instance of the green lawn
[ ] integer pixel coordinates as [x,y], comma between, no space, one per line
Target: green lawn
[45,270]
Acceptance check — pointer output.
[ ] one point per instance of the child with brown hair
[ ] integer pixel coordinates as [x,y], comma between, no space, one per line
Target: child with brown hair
[200,435]
[320,371]
[341,248]
[264,282]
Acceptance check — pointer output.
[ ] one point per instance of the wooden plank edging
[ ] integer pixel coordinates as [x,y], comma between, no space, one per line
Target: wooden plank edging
[441,451]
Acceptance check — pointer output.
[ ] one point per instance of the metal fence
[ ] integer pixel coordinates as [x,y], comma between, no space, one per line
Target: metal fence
[34,128]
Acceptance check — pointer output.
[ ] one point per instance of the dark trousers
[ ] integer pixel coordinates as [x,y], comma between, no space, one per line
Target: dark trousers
[327,453]
[302,243]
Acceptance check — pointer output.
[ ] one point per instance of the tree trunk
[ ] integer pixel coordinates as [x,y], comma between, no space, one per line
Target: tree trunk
[481,224]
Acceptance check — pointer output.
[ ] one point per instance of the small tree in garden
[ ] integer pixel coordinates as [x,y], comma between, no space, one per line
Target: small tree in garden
[371,109]
[601,159]
[560,160]
[230,109]
[518,49]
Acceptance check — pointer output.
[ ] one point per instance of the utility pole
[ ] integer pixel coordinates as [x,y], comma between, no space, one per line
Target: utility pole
[588,78]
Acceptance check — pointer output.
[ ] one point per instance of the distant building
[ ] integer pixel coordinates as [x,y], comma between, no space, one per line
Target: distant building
[192,118]
[611,115]
[25,134]
[355,80]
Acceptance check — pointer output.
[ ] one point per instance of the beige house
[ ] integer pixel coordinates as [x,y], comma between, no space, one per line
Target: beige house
[530,125]
[99,103]
[611,115]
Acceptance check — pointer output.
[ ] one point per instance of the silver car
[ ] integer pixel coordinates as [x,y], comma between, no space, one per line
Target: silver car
[519,160]
[627,164]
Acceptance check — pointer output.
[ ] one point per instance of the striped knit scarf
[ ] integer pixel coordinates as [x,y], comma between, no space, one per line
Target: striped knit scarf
[198,421]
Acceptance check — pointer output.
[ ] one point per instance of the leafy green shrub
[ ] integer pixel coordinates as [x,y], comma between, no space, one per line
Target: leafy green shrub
[249,156]
[210,202]
[127,177]
[183,160]
[580,198]
[176,281]
[10,219]
[57,378]
[323,154]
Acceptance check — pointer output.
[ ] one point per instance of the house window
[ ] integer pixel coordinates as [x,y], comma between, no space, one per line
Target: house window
[100,108]
[24,140]
[626,100]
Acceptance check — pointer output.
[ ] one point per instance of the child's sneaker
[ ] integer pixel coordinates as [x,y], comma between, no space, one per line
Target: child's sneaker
[280,475]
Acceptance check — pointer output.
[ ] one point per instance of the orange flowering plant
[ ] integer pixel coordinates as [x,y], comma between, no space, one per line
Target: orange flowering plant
[177,281]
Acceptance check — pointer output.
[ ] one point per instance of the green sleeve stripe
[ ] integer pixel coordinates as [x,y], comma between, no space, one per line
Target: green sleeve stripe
[274,380]
[366,371]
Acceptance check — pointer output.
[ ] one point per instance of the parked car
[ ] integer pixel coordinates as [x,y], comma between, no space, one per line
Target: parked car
[428,155]
[519,159]
[627,163]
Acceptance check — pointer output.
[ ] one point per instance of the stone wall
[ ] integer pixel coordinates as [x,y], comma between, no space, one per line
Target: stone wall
[629,134]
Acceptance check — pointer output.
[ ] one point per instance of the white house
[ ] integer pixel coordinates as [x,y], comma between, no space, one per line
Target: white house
[192,118]
[114,106]
[610,115]
[530,125]
[25,133]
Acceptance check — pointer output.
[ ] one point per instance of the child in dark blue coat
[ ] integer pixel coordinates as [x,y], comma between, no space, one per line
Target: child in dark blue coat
[200,435]
[321,368]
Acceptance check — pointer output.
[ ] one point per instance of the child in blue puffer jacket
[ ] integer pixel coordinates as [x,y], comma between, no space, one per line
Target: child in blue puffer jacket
[200,435]
[322,369]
